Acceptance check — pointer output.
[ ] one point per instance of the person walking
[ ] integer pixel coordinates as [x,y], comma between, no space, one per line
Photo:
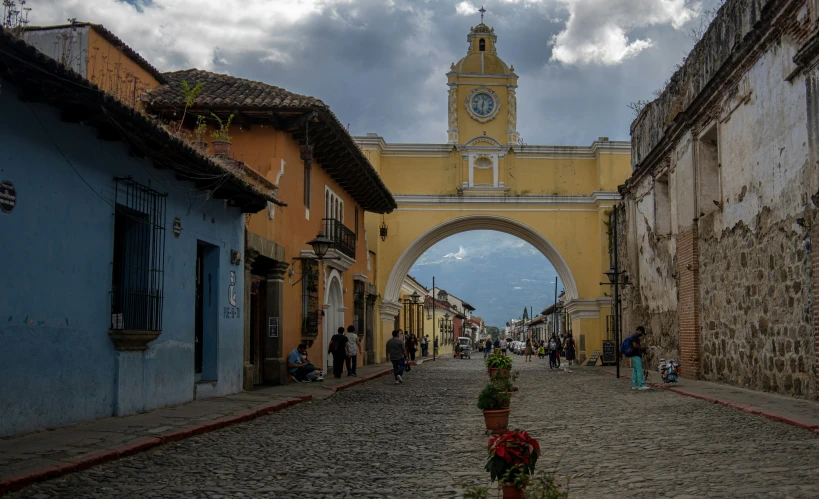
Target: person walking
[529,349]
[397,353]
[411,347]
[487,348]
[568,348]
[425,346]
[553,353]
[353,347]
[503,346]
[435,346]
[338,349]
[634,350]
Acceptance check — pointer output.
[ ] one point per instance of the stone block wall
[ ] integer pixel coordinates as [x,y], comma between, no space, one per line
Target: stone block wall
[757,314]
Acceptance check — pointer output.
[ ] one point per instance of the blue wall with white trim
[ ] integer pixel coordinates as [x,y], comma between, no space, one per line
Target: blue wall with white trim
[57,363]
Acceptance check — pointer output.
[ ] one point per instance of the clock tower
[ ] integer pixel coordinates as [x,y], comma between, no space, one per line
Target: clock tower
[482,100]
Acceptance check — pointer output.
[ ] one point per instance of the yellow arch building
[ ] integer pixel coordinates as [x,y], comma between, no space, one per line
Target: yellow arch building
[554,197]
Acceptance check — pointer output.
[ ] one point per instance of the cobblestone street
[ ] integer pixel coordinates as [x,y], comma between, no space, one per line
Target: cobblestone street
[420,438]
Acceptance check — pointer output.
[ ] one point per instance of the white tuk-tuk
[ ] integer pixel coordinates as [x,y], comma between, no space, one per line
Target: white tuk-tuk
[465,344]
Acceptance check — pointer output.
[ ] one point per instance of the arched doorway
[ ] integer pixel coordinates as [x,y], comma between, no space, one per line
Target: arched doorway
[333,315]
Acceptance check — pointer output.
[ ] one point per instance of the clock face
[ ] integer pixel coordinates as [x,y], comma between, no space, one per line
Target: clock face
[482,104]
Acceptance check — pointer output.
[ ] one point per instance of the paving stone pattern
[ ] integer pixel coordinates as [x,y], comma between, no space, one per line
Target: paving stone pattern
[420,438]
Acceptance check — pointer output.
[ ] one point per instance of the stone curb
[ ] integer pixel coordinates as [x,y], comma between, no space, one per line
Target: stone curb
[358,381]
[19,481]
[744,408]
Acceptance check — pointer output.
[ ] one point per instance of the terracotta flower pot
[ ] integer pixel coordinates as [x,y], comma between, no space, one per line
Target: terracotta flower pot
[512,492]
[220,147]
[496,421]
[492,371]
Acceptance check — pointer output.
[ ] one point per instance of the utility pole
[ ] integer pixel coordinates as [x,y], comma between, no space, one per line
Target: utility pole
[433,318]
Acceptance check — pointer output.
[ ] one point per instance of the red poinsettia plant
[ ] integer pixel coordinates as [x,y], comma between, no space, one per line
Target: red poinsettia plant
[512,458]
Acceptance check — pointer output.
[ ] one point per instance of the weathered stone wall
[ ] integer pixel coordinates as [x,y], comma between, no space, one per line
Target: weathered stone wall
[659,316]
[757,328]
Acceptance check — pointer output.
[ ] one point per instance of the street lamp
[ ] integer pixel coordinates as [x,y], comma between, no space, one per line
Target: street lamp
[321,245]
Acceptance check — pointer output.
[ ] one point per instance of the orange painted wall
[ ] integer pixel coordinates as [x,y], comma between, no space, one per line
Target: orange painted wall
[115,73]
[263,148]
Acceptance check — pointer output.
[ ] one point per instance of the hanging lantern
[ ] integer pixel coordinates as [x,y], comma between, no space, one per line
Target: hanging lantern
[383,230]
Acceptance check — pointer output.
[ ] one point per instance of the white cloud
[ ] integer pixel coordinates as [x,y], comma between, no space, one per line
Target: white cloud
[517,287]
[460,255]
[465,9]
[192,30]
[597,30]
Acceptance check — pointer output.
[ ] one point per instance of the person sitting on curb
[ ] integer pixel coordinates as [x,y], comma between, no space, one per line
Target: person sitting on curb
[300,368]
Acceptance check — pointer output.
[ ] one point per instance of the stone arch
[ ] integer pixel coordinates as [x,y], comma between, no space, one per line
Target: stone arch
[475,222]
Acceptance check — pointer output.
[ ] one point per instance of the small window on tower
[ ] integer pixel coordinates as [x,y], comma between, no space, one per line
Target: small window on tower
[482,45]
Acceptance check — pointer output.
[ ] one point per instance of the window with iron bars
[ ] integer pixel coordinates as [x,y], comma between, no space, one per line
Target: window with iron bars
[138,270]
[309,298]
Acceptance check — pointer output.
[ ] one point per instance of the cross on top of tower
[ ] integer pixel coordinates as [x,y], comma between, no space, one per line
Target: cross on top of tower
[481,10]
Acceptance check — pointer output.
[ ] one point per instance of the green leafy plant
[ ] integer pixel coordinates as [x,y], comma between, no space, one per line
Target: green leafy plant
[512,458]
[197,135]
[544,486]
[223,130]
[474,492]
[190,93]
[491,398]
[501,382]
[498,362]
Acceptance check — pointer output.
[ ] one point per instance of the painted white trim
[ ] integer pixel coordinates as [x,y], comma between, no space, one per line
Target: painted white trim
[328,213]
[360,277]
[342,263]
[388,310]
[499,210]
[427,199]
[477,222]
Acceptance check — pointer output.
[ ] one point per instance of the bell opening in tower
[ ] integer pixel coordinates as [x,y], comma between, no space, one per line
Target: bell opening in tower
[482,45]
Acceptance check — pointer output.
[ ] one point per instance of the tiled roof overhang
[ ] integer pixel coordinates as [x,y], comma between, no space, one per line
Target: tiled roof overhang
[308,120]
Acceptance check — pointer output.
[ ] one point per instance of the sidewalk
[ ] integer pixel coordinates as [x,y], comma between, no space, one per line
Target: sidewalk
[46,454]
[798,412]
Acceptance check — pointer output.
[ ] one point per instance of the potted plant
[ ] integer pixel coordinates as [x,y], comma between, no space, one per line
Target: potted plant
[498,362]
[495,406]
[512,458]
[503,383]
[221,137]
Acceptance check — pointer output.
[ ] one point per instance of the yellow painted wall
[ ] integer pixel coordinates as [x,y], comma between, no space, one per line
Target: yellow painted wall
[115,73]
[576,230]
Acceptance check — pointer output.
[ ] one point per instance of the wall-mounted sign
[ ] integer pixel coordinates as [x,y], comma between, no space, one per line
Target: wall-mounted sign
[177,227]
[8,196]
[272,327]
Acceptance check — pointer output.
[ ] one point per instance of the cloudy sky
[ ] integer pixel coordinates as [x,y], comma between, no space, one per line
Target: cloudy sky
[381,64]
[496,273]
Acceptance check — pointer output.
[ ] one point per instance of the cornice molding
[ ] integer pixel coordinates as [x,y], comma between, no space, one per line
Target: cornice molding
[375,142]
[596,198]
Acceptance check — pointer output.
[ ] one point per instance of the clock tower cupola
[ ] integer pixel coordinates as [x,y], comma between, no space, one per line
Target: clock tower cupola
[482,100]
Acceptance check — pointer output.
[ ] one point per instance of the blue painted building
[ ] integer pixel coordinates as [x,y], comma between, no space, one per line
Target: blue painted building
[120,255]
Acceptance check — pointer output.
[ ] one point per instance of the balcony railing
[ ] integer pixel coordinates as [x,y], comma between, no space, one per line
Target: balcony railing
[342,237]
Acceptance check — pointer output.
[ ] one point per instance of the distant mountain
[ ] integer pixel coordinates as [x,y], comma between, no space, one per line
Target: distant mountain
[496,273]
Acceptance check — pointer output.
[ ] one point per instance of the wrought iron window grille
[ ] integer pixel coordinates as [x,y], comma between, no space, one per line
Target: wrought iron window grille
[138,268]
